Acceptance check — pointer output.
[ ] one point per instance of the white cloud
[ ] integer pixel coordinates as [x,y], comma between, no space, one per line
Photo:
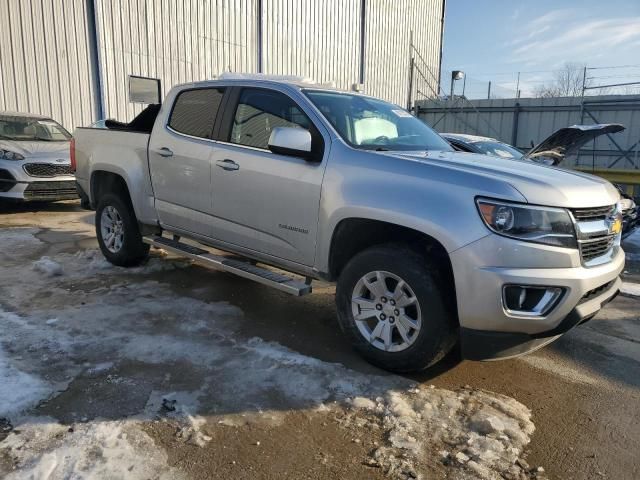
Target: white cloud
[561,35]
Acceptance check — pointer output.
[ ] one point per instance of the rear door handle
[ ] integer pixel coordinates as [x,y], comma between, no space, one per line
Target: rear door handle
[227,164]
[165,152]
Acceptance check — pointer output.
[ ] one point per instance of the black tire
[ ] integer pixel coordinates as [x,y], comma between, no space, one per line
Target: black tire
[438,333]
[133,250]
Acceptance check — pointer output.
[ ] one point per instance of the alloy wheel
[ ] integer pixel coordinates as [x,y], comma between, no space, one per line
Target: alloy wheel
[112,229]
[386,311]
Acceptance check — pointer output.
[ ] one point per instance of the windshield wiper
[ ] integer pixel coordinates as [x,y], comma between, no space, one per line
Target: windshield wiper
[382,149]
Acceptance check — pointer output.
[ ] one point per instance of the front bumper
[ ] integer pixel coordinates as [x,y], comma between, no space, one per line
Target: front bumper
[15,184]
[488,330]
[490,345]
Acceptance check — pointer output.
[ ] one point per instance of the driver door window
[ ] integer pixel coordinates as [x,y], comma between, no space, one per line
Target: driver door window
[259,112]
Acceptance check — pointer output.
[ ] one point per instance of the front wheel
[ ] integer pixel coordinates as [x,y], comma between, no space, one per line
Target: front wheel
[118,233]
[390,301]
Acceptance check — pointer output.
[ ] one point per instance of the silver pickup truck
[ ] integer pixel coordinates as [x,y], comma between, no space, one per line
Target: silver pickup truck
[428,247]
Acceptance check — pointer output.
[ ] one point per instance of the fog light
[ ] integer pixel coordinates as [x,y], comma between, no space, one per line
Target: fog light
[530,300]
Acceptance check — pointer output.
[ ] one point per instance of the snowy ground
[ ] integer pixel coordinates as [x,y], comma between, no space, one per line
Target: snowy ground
[92,355]
[172,371]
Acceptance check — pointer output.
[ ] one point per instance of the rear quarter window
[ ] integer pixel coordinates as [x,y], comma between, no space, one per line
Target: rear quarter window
[194,111]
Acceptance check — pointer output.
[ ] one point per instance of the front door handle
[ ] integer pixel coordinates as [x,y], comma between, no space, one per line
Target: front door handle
[227,164]
[165,152]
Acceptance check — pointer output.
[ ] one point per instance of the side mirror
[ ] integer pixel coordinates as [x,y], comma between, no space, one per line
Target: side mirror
[295,142]
[144,90]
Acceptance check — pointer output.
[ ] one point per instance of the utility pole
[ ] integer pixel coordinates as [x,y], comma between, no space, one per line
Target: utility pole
[584,84]
[489,92]
[518,86]
[410,95]
[412,67]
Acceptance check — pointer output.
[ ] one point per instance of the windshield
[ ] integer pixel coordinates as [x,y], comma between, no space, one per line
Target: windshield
[498,149]
[30,129]
[372,124]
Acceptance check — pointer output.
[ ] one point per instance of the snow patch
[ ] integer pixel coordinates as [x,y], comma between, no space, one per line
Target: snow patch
[46,450]
[629,288]
[362,402]
[485,432]
[19,238]
[100,368]
[19,390]
[48,267]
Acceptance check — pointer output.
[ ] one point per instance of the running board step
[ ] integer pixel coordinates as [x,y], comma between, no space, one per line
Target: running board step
[205,258]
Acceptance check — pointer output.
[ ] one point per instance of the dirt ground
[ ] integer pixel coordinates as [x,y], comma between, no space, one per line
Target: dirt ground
[174,371]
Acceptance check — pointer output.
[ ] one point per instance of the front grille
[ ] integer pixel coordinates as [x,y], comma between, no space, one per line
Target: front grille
[590,249]
[51,190]
[590,214]
[47,169]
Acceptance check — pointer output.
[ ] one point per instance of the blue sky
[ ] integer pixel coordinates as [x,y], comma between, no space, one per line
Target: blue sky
[494,39]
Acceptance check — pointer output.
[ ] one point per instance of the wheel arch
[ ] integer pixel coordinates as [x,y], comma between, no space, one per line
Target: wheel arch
[103,182]
[353,235]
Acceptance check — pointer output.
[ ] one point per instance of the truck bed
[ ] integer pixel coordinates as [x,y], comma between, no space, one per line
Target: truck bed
[121,152]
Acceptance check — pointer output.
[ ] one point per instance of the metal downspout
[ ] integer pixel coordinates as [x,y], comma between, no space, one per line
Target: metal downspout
[94,59]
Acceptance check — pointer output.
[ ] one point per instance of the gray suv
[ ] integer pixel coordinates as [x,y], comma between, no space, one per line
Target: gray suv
[427,246]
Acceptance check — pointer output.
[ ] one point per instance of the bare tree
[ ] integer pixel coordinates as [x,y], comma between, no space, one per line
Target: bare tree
[567,82]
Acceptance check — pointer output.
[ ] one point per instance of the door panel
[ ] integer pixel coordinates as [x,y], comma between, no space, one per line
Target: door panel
[270,202]
[180,156]
[182,182]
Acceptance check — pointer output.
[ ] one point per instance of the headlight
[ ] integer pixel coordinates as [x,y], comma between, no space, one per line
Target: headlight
[9,155]
[551,226]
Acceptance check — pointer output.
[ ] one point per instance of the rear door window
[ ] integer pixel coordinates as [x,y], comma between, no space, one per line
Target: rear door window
[259,112]
[194,111]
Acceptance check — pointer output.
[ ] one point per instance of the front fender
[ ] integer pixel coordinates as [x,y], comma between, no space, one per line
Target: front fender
[434,201]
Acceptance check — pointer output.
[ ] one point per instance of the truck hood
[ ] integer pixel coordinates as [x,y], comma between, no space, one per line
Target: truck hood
[37,149]
[555,148]
[539,184]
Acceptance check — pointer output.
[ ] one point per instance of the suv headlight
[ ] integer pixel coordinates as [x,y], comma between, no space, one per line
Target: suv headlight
[551,226]
[9,155]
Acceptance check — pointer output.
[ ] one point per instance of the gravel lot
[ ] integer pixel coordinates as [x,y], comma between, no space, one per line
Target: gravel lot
[173,371]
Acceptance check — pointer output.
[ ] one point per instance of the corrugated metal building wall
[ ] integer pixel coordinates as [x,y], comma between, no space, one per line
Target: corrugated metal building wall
[391,25]
[175,41]
[83,76]
[45,63]
[318,40]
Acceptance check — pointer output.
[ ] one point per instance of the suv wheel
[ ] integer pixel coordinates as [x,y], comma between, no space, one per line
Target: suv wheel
[118,233]
[391,304]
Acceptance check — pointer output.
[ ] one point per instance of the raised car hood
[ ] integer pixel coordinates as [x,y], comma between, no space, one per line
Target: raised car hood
[37,149]
[539,184]
[563,142]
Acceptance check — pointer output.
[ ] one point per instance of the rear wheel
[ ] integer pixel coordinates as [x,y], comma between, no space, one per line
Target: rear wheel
[118,233]
[390,302]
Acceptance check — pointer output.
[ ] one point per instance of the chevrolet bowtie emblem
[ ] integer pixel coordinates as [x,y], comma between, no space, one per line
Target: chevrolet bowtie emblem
[615,226]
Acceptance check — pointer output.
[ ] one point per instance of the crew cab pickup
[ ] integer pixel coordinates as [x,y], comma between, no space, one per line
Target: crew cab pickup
[427,246]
